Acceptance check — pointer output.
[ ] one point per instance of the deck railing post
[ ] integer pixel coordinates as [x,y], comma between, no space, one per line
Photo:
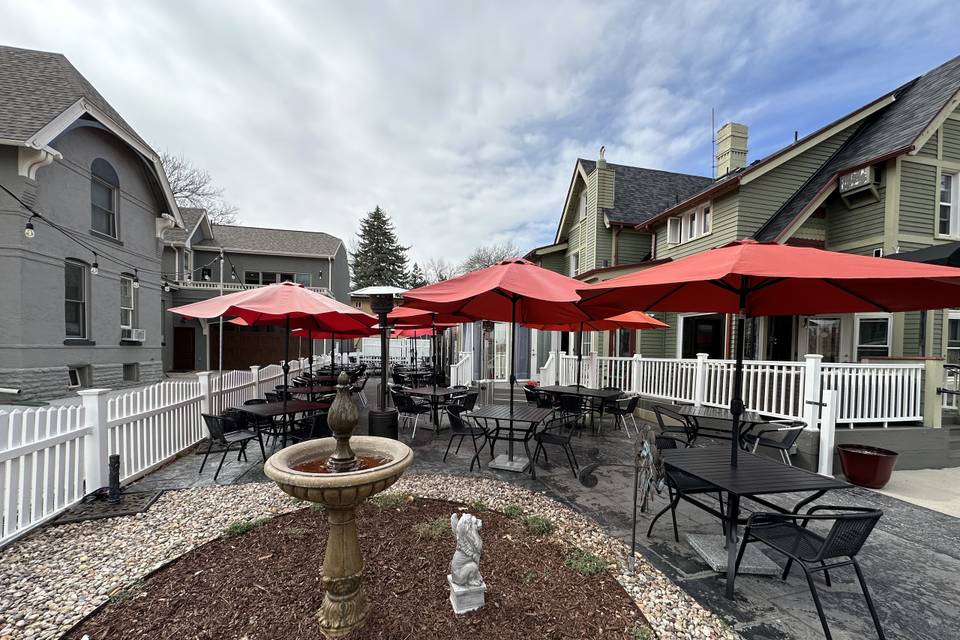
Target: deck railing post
[206,399]
[96,444]
[828,428]
[593,370]
[636,371]
[255,377]
[811,389]
[700,379]
[562,370]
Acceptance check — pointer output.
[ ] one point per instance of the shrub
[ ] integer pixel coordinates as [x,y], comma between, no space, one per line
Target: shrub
[585,563]
[477,506]
[243,526]
[537,525]
[513,511]
[642,632]
[392,500]
[433,529]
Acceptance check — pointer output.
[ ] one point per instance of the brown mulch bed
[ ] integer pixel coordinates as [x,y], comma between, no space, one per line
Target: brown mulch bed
[265,584]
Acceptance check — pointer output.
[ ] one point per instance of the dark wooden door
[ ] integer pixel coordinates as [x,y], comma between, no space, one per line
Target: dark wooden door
[184,348]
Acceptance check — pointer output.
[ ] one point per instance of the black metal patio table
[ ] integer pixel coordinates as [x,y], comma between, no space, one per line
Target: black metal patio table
[312,391]
[600,396]
[753,476]
[748,420]
[284,409]
[436,397]
[524,414]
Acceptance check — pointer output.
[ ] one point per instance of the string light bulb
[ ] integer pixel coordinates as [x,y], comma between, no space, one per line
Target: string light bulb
[136,279]
[28,231]
[94,268]
[166,286]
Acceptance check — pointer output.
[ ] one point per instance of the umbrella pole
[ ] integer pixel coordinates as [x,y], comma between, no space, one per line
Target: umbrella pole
[286,371]
[310,351]
[513,365]
[433,351]
[736,403]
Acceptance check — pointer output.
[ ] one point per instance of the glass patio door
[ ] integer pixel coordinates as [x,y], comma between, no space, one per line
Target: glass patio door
[822,336]
[501,351]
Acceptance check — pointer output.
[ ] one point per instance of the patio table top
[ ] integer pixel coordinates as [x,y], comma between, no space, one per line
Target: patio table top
[439,392]
[521,413]
[575,390]
[271,409]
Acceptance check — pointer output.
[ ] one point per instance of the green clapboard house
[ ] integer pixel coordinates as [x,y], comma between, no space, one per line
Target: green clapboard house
[882,180]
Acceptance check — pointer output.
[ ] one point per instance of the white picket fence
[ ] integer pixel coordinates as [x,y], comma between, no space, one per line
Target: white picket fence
[50,457]
[867,393]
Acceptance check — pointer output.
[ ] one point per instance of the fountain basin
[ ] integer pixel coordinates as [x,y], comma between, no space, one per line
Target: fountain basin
[344,488]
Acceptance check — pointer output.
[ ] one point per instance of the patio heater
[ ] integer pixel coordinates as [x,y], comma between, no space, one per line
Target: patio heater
[383,421]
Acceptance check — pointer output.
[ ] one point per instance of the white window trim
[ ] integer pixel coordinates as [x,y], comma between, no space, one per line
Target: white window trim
[573,265]
[680,319]
[133,304]
[688,222]
[952,314]
[954,206]
[857,317]
[582,206]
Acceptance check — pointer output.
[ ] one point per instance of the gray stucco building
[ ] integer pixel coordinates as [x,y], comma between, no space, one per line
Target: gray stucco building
[80,300]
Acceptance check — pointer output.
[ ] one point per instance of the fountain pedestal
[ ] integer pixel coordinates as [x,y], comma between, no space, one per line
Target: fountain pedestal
[341,490]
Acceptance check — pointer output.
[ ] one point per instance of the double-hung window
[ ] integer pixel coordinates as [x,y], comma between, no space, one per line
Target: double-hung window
[75,299]
[574,264]
[128,303]
[690,225]
[583,206]
[104,187]
[948,222]
[673,230]
[873,335]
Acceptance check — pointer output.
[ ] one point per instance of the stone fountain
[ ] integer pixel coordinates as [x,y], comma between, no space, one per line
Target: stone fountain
[340,473]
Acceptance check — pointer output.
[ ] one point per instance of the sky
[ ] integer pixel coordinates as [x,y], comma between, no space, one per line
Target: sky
[464,120]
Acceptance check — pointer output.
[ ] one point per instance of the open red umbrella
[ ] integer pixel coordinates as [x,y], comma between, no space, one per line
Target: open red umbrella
[514,290]
[410,317]
[765,279]
[282,304]
[634,320]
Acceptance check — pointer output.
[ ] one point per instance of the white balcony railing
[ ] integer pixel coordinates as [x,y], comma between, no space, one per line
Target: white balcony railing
[228,287]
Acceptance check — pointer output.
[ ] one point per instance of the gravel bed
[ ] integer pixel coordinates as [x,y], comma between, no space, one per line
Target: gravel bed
[52,578]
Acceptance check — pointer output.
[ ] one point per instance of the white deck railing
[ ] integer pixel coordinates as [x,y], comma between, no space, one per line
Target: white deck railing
[868,393]
[50,457]
[461,372]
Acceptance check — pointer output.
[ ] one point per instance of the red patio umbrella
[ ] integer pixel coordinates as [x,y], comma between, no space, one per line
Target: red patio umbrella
[514,290]
[282,303]
[410,317]
[765,279]
[635,320]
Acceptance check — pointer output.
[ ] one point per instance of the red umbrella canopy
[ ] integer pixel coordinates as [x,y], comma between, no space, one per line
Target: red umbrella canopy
[769,279]
[541,295]
[273,304]
[410,317]
[415,332]
[636,320]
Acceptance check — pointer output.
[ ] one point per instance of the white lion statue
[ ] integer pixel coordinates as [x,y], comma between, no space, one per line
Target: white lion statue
[465,566]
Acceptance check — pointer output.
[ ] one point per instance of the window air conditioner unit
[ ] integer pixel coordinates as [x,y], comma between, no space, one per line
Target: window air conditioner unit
[133,335]
[859,188]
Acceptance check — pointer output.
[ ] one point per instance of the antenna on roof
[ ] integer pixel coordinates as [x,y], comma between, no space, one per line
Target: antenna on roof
[796,136]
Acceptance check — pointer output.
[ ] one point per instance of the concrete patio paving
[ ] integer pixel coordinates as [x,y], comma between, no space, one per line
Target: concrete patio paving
[911,562]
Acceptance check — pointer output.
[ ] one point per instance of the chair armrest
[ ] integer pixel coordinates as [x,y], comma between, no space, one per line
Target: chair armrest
[761,432]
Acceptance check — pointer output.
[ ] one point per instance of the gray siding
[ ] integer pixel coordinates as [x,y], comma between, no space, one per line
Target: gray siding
[918,193]
[847,225]
[633,246]
[951,139]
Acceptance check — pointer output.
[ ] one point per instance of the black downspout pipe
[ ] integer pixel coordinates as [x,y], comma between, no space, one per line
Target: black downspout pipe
[736,402]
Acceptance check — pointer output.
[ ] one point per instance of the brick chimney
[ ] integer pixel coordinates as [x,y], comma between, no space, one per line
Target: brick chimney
[731,148]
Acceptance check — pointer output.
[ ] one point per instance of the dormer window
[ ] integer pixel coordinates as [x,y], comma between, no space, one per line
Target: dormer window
[583,205]
[104,187]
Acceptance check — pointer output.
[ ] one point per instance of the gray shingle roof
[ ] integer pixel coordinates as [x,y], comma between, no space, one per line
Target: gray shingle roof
[37,86]
[190,219]
[640,194]
[890,130]
[284,241]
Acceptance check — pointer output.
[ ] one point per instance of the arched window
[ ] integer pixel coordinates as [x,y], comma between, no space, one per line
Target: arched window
[104,187]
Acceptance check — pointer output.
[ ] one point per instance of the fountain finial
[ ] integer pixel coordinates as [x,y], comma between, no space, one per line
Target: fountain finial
[342,420]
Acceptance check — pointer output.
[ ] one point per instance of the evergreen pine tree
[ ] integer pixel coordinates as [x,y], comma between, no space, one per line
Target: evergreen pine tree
[379,259]
[417,277]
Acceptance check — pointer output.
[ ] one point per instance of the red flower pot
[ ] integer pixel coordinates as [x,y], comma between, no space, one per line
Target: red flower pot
[867,466]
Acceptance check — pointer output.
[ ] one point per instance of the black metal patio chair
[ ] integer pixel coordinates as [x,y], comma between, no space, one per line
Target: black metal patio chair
[531,395]
[675,424]
[410,410]
[558,432]
[460,428]
[623,408]
[358,389]
[779,435]
[681,486]
[222,432]
[813,552]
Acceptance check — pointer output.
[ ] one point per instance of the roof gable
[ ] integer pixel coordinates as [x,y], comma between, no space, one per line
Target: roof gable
[242,239]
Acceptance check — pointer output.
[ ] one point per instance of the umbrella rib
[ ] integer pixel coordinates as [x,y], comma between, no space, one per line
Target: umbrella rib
[666,295]
[856,295]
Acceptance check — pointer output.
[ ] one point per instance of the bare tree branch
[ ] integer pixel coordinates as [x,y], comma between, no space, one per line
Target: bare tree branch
[488,255]
[437,269]
[194,187]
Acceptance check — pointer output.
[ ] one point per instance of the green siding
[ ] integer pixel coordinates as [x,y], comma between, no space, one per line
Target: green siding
[588,259]
[554,262]
[911,334]
[847,225]
[659,343]
[606,188]
[632,246]
[930,149]
[762,197]
[918,193]
[812,229]
[724,231]
[951,139]
[938,320]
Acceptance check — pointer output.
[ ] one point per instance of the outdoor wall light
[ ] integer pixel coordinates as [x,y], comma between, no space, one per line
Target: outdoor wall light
[28,228]
[136,279]
[94,268]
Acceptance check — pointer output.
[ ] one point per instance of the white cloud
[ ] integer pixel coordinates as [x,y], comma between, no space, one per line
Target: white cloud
[463,121]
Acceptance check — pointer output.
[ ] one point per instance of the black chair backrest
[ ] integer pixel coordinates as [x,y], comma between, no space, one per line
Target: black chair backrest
[632,404]
[362,384]
[456,422]
[397,377]
[402,402]
[559,423]
[531,395]
[669,419]
[790,437]
[848,534]
[571,404]
[470,400]
[271,397]
[215,427]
